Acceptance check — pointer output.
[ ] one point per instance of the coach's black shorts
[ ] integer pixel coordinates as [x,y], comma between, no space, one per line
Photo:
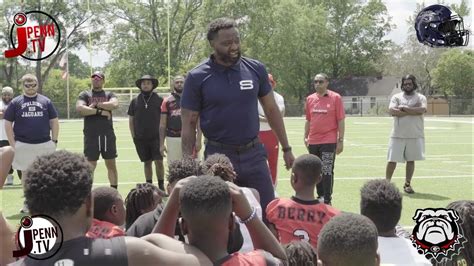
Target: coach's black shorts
[4,143]
[148,149]
[100,145]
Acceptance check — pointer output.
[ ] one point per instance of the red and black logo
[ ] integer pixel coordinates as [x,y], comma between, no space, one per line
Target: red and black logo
[437,234]
[37,35]
[39,237]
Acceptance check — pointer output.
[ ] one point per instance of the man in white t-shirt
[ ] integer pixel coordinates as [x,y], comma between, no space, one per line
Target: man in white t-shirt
[381,202]
[266,134]
[407,141]
[7,96]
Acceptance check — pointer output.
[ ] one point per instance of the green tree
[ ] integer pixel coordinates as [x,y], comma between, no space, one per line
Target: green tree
[294,38]
[139,42]
[415,58]
[55,89]
[356,33]
[77,67]
[453,75]
[74,20]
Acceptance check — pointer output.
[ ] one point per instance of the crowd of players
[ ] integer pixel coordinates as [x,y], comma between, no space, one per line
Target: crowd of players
[221,210]
[219,221]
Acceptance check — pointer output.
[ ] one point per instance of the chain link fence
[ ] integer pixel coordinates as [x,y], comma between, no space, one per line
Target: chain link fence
[439,107]
[436,106]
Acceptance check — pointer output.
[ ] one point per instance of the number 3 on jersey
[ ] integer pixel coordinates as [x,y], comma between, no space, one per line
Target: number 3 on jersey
[302,234]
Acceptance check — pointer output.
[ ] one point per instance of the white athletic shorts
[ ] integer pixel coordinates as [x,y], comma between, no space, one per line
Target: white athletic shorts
[173,149]
[401,150]
[26,153]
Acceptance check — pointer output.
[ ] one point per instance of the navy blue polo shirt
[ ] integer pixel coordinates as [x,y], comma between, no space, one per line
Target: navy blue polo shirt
[226,98]
[31,117]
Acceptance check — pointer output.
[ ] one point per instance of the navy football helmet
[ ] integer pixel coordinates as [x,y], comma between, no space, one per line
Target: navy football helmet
[438,25]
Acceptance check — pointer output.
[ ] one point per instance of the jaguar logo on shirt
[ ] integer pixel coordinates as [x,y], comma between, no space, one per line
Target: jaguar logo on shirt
[32,109]
[246,84]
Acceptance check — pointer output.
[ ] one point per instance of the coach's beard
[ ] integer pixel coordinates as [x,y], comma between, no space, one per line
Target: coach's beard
[147,93]
[409,92]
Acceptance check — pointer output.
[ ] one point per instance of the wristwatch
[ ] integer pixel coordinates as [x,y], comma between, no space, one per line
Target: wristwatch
[340,140]
[55,141]
[286,149]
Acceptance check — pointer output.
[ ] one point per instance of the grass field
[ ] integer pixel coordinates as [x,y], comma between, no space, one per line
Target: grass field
[446,174]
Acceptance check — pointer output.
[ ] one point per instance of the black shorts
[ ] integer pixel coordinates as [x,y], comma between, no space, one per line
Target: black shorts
[148,149]
[100,145]
[4,143]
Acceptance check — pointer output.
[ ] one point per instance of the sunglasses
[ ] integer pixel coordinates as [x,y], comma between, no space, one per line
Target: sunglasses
[96,77]
[30,85]
[317,81]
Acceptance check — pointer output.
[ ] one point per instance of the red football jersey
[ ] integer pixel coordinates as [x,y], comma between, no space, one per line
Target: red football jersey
[296,219]
[255,257]
[103,229]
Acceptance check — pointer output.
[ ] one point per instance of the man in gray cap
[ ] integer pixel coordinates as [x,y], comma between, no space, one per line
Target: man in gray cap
[96,107]
[144,121]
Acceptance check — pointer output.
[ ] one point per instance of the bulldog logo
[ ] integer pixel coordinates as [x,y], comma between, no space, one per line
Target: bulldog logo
[437,234]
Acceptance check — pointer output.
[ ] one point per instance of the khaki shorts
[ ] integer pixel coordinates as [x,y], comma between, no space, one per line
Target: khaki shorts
[173,149]
[26,153]
[401,150]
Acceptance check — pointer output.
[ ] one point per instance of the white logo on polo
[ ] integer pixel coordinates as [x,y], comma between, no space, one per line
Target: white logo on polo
[246,84]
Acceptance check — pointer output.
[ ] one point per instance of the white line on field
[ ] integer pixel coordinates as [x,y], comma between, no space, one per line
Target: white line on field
[355,156]
[350,143]
[337,178]
[397,177]
[450,121]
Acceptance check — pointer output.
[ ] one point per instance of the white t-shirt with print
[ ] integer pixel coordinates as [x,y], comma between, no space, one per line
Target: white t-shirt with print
[409,126]
[280,101]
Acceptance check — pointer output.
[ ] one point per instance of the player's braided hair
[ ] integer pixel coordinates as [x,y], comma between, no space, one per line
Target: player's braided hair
[138,199]
[465,210]
[219,165]
[300,253]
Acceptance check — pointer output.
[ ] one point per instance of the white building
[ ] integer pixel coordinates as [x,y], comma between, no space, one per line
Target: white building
[371,95]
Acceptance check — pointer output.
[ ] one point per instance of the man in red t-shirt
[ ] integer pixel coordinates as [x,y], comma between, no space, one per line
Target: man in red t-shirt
[302,216]
[324,131]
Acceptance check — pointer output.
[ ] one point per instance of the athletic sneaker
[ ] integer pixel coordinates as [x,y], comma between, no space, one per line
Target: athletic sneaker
[9,181]
[408,189]
[24,209]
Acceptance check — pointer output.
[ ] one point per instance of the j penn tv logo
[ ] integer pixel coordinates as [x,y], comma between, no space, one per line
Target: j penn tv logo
[39,237]
[34,35]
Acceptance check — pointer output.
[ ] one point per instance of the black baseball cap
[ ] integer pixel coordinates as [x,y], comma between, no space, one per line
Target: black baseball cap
[98,74]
